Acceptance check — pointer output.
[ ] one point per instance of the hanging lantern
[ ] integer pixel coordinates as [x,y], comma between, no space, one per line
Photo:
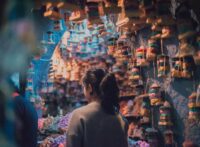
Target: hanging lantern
[135,74]
[176,67]
[155,95]
[50,37]
[194,107]
[165,116]
[187,67]
[163,65]
[141,56]
[153,49]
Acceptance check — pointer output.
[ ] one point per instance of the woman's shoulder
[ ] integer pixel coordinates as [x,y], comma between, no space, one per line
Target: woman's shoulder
[87,109]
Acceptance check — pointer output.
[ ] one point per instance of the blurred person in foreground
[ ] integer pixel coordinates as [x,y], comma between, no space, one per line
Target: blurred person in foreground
[98,124]
[17,47]
[26,119]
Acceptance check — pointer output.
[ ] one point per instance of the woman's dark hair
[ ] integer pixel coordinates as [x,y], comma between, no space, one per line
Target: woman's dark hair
[105,86]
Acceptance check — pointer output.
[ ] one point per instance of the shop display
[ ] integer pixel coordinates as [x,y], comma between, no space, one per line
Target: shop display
[149,45]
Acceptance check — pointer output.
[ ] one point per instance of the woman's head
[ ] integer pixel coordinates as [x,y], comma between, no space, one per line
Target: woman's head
[102,86]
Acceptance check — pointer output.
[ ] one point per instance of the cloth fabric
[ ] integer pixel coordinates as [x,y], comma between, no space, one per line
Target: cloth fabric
[90,126]
[26,122]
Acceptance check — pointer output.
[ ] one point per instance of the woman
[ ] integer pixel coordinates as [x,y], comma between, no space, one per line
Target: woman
[99,123]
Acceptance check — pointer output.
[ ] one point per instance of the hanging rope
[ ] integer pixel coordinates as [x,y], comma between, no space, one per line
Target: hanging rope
[161,43]
[154,70]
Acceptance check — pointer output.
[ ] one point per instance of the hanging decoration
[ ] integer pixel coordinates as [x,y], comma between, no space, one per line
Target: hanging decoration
[155,95]
[153,49]
[163,65]
[194,106]
[165,116]
[182,67]
[141,56]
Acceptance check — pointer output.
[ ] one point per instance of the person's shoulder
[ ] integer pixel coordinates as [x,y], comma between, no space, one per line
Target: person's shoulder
[87,109]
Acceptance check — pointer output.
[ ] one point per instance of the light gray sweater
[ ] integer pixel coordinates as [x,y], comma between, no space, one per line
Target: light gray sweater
[90,126]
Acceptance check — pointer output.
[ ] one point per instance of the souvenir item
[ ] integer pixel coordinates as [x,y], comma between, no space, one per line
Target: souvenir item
[153,49]
[165,115]
[194,107]
[163,65]
[155,95]
[141,56]
[176,67]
